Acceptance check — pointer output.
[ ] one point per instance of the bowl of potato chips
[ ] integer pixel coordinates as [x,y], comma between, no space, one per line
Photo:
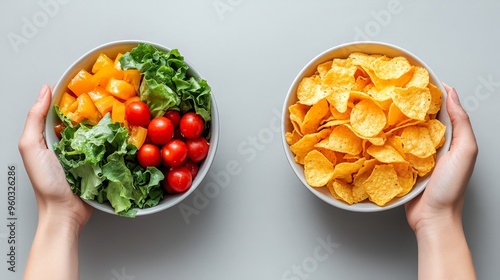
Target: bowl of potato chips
[363,125]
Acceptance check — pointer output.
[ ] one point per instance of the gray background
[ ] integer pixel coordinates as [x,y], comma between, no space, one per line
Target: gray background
[262,222]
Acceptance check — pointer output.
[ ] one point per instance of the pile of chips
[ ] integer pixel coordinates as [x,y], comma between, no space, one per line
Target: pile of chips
[365,127]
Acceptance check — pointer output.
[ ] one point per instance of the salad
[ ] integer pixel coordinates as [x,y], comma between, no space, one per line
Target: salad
[133,129]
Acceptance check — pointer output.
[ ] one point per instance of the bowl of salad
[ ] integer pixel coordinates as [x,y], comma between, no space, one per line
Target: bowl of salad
[135,127]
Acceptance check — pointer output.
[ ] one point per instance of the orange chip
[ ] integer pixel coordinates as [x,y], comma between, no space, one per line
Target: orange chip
[292,137]
[413,102]
[436,131]
[318,170]
[367,118]
[382,185]
[395,116]
[436,99]
[297,114]
[306,144]
[309,90]
[338,82]
[343,190]
[365,127]
[391,69]
[329,185]
[420,78]
[421,165]
[344,170]
[329,154]
[406,177]
[332,123]
[385,153]
[342,140]
[315,116]
[417,141]
[323,68]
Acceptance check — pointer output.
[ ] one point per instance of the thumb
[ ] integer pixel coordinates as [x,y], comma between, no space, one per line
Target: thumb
[463,135]
[32,136]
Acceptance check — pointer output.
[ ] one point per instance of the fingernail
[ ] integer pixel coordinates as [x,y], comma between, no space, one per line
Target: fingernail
[454,96]
[43,92]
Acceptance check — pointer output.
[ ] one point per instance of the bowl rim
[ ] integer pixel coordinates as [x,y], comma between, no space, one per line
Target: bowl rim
[345,49]
[112,46]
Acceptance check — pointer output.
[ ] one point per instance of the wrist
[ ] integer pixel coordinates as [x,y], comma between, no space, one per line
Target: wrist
[439,227]
[59,222]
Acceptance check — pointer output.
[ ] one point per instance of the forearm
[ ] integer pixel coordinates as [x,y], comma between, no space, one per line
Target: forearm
[54,252]
[443,252]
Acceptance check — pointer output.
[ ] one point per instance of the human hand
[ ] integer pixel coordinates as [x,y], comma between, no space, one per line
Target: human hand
[53,194]
[443,198]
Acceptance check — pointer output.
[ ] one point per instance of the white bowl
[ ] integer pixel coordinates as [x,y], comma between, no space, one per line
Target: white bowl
[112,49]
[343,51]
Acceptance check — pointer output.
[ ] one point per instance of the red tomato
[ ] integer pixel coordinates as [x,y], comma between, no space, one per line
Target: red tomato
[174,116]
[178,180]
[149,155]
[137,113]
[160,130]
[197,149]
[192,166]
[191,125]
[174,153]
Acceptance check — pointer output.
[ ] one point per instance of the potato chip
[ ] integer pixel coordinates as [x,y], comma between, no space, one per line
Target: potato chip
[361,83]
[329,154]
[358,190]
[421,165]
[385,153]
[395,142]
[436,131]
[420,78]
[306,144]
[413,102]
[318,170]
[406,177]
[338,82]
[340,116]
[345,170]
[329,185]
[363,60]
[342,140]
[343,190]
[436,99]
[332,123]
[382,185]
[297,113]
[417,141]
[367,118]
[395,116]
[391,69]
[323,68]
[310,91]
[315,116]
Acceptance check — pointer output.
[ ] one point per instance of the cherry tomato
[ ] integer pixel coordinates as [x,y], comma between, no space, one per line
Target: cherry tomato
[174,153]
[174,116]
[191,125]
[192,166]
[197,149]
[149,155]
[178,180]
[160,130]
[138,113]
